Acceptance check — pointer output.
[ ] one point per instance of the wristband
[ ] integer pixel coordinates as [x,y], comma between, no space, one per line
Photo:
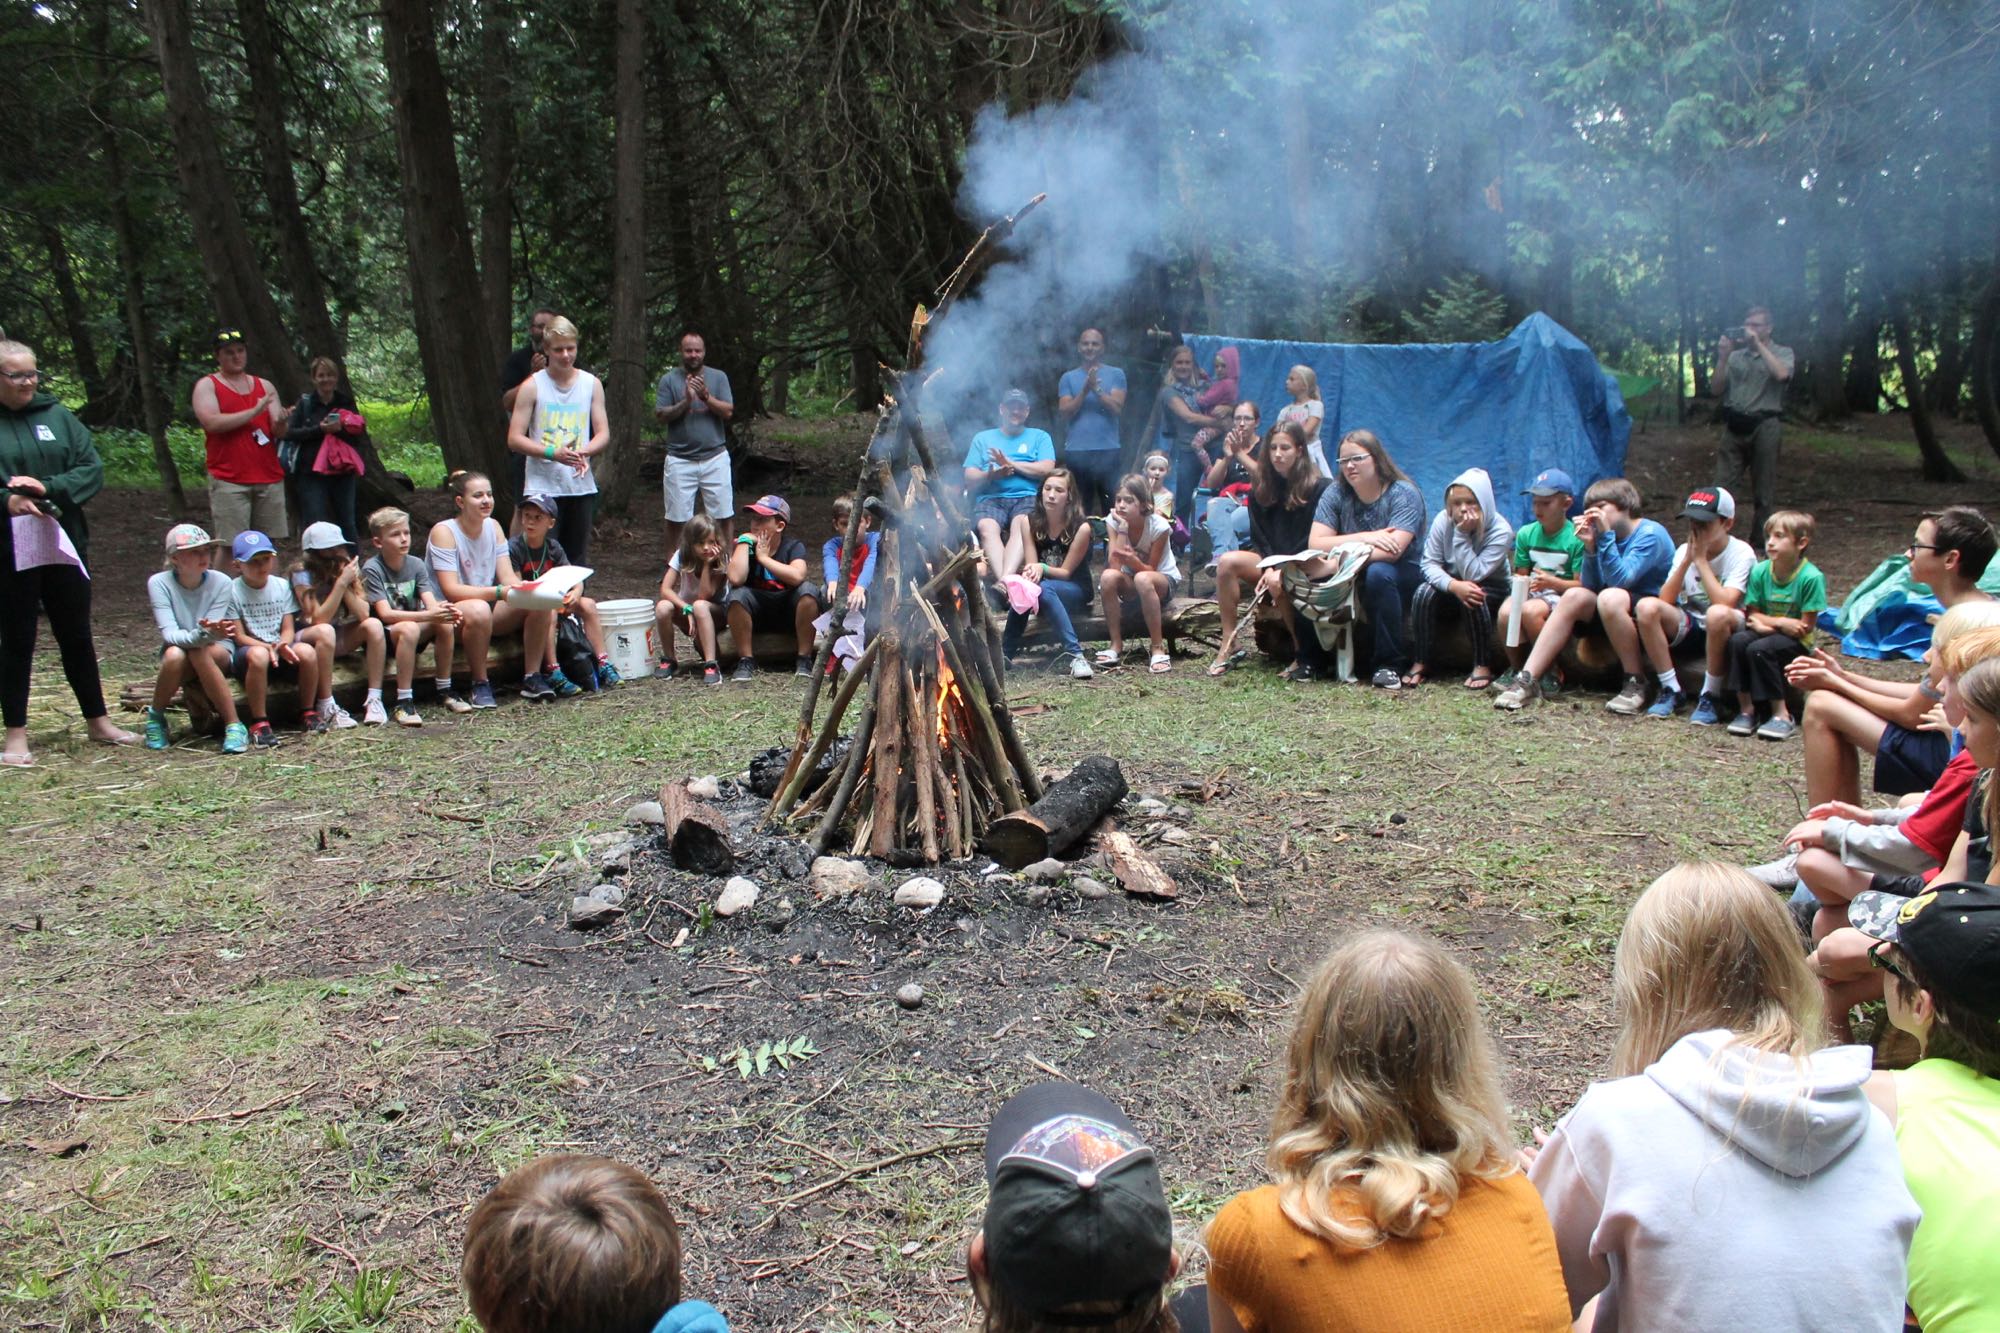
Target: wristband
[746,539]
[548,451]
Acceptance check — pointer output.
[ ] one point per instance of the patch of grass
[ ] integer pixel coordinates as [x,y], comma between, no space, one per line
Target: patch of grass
[401,431]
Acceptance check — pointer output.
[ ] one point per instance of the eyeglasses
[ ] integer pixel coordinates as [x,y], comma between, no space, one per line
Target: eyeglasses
[1354,460]
[1877,959]
[22,376]
[1915,547]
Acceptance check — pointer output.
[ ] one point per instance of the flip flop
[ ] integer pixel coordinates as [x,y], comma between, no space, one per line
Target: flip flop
[1219,667]
[12,760]
[1159,664]
[1479,680]
[122,738]
[1412,679]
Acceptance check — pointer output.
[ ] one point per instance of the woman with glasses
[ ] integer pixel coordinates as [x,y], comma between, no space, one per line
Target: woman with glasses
[1731,1173]
[1371,502]
[1227,481]
[52,469]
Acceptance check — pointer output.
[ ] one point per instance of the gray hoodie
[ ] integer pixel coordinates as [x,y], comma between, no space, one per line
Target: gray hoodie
[1728,1188]
[1450,554]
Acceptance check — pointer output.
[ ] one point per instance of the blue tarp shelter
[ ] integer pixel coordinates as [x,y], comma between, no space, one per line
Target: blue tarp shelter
[1535,399]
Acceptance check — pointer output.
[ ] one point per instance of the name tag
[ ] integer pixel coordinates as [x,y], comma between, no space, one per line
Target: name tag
[259,436]
[42,432]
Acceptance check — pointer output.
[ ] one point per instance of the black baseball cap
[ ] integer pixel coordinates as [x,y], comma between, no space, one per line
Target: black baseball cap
[1709,504]
[1075,1210]
[1950,931]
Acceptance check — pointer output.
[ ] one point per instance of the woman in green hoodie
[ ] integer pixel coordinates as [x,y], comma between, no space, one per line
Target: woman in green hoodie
[51,468]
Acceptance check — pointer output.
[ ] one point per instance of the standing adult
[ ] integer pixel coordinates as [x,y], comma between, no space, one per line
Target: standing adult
[1090,398]
[242,418]
[522,362]
[325,496]
[1004,468]
[1751,374]
[1181,419]
[695,402]
[1374,503]
[52,469]
[559,425]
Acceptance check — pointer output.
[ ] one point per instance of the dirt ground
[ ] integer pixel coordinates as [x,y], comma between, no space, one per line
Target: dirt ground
[272,1025]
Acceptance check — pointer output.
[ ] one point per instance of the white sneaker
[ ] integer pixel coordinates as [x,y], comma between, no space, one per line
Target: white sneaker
[337,717]
[1079,667]
[375,715]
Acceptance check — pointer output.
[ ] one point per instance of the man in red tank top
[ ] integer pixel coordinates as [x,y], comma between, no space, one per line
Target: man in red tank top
[243,420]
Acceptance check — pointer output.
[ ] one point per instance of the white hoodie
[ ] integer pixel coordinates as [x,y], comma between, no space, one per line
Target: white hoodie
[1725,1188]
[1449,554]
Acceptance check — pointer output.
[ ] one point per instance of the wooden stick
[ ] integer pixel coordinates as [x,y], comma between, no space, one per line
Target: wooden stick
[857,757]
[789,790]
[992,695]
[888,757]
[243,1112]
[922,736]
[985,736]
[855,1173]
[962,833]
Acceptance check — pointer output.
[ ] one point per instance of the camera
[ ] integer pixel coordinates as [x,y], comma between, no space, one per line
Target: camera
[1737,335]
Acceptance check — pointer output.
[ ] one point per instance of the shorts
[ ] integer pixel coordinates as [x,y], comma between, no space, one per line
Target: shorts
[1903,886]
[239,664]
[772,608]
[517,474]
[1002,509]
[1547,597]
[1907,761]
[1690,641]
[710,477]
[233,508]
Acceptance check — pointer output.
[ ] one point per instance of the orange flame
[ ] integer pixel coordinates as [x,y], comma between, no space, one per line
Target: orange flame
[947,689]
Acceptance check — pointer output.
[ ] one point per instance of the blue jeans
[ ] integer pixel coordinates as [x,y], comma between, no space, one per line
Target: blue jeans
[1228,523]
[1386,589]
[1062,600]
[329,498]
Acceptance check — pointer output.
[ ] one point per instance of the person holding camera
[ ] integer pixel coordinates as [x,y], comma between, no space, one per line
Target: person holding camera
[1751,372]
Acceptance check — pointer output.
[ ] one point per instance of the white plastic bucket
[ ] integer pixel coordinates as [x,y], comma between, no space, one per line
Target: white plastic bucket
[628,634]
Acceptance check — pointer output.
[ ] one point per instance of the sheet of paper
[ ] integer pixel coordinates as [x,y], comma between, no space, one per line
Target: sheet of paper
[39,541]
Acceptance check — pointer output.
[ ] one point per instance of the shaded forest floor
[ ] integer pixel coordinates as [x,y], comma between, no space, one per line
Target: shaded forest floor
[269,1026]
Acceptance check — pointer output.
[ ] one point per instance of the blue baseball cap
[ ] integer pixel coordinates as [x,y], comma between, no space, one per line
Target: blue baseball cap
[249,544]
[1552,481]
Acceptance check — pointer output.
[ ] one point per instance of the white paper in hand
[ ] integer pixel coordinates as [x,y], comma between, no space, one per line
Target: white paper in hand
[547,592]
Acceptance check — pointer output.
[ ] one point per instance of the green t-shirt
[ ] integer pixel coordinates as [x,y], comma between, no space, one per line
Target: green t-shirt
[1948,1135]
[1560,555]
[1801,599]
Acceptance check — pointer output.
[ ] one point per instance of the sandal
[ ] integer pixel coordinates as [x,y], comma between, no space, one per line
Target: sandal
[1220,667]
[1480,679]
[1106,657]
[1159,664]
[1414,677]
[13,760]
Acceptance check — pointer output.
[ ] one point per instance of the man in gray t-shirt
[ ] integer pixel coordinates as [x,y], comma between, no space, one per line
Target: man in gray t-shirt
[1751,374]
[695,403]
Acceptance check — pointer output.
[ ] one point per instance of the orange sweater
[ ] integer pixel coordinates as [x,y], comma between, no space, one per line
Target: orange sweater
[1490,1263]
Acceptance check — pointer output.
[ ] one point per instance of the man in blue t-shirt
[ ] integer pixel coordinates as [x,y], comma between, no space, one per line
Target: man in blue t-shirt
[1090,398]
[1003,473]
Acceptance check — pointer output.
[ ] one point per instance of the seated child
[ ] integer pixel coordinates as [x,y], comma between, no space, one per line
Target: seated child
[1549,554]
[269,641]
[694,587]
[403,596]
[1784,596]
[1848,713]
[534,553]
[191,606]
[1696,610]
[768,587]
[572,1243]
[858,573]
[1155,471]
[1059,539]
[328,585]
[468,557]
[1138,566]
[1626,557]
[1464,564]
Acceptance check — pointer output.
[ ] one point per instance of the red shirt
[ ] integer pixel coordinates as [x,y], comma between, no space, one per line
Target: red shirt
[1933,826]
[235,455]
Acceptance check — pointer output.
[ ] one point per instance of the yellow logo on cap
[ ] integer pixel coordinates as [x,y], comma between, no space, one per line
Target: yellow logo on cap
[1914,906]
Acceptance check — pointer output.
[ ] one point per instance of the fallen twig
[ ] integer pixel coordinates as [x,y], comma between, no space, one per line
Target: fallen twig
[90,1096]
[244,1112]
[115,1254]
[869,1168]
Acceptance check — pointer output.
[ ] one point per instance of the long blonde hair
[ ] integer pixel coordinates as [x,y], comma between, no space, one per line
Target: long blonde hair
[1707,946]
[1392,1093]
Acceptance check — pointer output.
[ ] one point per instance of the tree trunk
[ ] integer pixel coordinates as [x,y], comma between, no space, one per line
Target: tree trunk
[152,401]
[1937,463]
[241,293]
[458,353]
[625,386]
[83,348]
[1824,384]
[281,189]
[1985,352]
[496,168]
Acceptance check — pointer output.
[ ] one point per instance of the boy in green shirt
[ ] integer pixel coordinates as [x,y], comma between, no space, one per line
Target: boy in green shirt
[1550,553]
[1785,594]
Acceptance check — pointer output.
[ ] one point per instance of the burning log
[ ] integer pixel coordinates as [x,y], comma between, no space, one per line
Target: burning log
[697,834]
[1059,820]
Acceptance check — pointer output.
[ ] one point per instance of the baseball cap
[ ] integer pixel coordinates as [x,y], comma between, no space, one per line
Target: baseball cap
[223,336]
[188,537]
[773,506]
[1708,504]
[1552,481]
[1075,1210]
[250,544]
[536,500]
[1013,396]
[321,536]
[1951,932]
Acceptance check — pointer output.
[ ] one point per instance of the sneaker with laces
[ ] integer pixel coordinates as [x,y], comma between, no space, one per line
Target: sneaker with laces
[235,738]
[711,674]
[156,730]
[1079,667]
[1524,691]
[1707,712]
[664,670]
[1666,705]
[482,695]
[745,669]
[1778,729]
[536,686]
[1743,724]
[407,714]
[1630,700]
[607,675]
[374,715]
[312,721]
[1551,684]
[1386,678]
[263,737]
[562,686]
[804,667]
[339,718]
[1781,874]
[1505,680]
[453,702]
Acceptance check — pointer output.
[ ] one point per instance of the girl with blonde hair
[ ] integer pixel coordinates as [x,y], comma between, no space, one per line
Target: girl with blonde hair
[1728,1141]
[1396,1201]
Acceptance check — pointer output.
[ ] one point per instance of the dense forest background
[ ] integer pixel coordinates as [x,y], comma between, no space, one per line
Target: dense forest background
[397,184]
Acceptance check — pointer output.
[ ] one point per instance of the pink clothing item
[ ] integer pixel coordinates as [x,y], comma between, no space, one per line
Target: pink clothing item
[1223,392]
[1023,595]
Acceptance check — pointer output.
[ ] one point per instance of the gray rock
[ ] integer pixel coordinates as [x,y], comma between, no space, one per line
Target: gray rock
[837,877]
[1149,807]
[644,813]
[1039,894]
[607,893]
[923,893]
[792,860]
[736,895]
[1047,871]
[598,842]
[707,788]
[590,913]
[780,914]
[615,860]
[1087,887]
[1176,837]
[910,996]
